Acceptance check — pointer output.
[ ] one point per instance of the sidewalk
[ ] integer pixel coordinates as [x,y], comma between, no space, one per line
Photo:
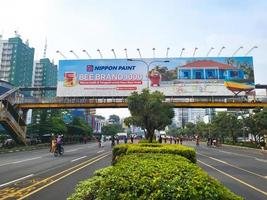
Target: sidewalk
[23,148]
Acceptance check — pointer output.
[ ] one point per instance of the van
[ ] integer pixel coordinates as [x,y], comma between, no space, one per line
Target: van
[121,136]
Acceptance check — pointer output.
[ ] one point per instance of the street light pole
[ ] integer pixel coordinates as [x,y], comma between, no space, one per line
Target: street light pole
[61,54]
[126,54]
[251,50]
[223,47]
[74,54]
[148,65]
[87,53]
[139,52]
[101,56]
[114,53]
[209,51]
[237,51]
[182,52]
[195,51]
[167,52]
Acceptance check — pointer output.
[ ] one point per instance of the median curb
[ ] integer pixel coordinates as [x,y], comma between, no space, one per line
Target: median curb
[20,150]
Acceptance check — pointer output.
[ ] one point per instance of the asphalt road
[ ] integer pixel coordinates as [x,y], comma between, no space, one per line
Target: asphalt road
[39,175]
[243,170]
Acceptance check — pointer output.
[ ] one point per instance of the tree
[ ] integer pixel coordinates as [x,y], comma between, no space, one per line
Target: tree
[225,124]
[234,126]
[202,129]
[190,128]
[173,130]
[58,126]
[149,112]
[261,122]
[111,129]
[250,126]
[114,118]
[79,127]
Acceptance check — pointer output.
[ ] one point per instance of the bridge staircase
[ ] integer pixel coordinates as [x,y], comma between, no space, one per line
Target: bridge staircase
[10,118]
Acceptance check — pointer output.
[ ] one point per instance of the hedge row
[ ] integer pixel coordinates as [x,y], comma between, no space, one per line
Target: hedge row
[152,176]
[125,149]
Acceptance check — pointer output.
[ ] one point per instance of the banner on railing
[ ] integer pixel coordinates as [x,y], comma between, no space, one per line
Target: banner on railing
[218,76]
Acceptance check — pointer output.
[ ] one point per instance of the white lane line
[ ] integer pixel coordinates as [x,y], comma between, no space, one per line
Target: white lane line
[19,179]
[237,179]
[225,151]
[20,161]
[101,151]
[72,150]
[232,153]
[258,159]
[78,158]
[218,160]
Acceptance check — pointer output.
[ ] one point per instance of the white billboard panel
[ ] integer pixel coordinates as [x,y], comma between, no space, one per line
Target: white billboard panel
[173,76]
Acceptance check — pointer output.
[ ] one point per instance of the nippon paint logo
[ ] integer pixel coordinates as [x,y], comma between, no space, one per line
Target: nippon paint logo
[89,68]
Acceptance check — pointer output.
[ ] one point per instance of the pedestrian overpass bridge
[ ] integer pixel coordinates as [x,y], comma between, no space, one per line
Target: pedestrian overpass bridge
[121,102]
[14,105]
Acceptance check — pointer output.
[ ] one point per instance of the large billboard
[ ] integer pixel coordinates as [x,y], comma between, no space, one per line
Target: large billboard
[207,76]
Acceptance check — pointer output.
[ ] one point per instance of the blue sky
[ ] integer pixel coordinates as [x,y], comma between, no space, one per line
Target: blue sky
[144,24]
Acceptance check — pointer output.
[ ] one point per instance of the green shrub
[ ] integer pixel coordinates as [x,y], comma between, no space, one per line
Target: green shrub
[177,149]
[152,176]
[146,141]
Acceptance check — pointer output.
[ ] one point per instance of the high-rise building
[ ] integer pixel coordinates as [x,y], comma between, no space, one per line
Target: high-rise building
[45,74]
[16,64]
[185,115]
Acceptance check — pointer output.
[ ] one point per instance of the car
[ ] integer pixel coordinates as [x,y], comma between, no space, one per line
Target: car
[9,143]
[32,140]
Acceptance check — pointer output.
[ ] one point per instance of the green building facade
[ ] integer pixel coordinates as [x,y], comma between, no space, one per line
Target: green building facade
[45,75]
[21,67]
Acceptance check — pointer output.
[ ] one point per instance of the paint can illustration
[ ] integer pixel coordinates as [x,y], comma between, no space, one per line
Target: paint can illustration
[69,79]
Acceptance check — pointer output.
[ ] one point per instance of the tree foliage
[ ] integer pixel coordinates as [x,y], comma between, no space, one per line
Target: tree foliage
[79,127]
[115,119]
[111,129]
[149,112]
[226,124]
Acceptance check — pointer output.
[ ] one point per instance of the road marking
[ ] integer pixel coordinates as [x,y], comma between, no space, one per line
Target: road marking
[72,150]
[236,179]
[100,151]
[56,180]
[225,151]
[78,158]
[219,160]
[20,161]
[19,179]
[27,189]
[232,165]
[258,159]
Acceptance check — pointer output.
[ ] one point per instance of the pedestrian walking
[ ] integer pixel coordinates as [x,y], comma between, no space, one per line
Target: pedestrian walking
[117,140]
[112,141]
[160,139]
[125,140]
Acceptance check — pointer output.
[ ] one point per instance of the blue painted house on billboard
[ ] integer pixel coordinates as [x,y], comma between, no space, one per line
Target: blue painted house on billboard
[208,69]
